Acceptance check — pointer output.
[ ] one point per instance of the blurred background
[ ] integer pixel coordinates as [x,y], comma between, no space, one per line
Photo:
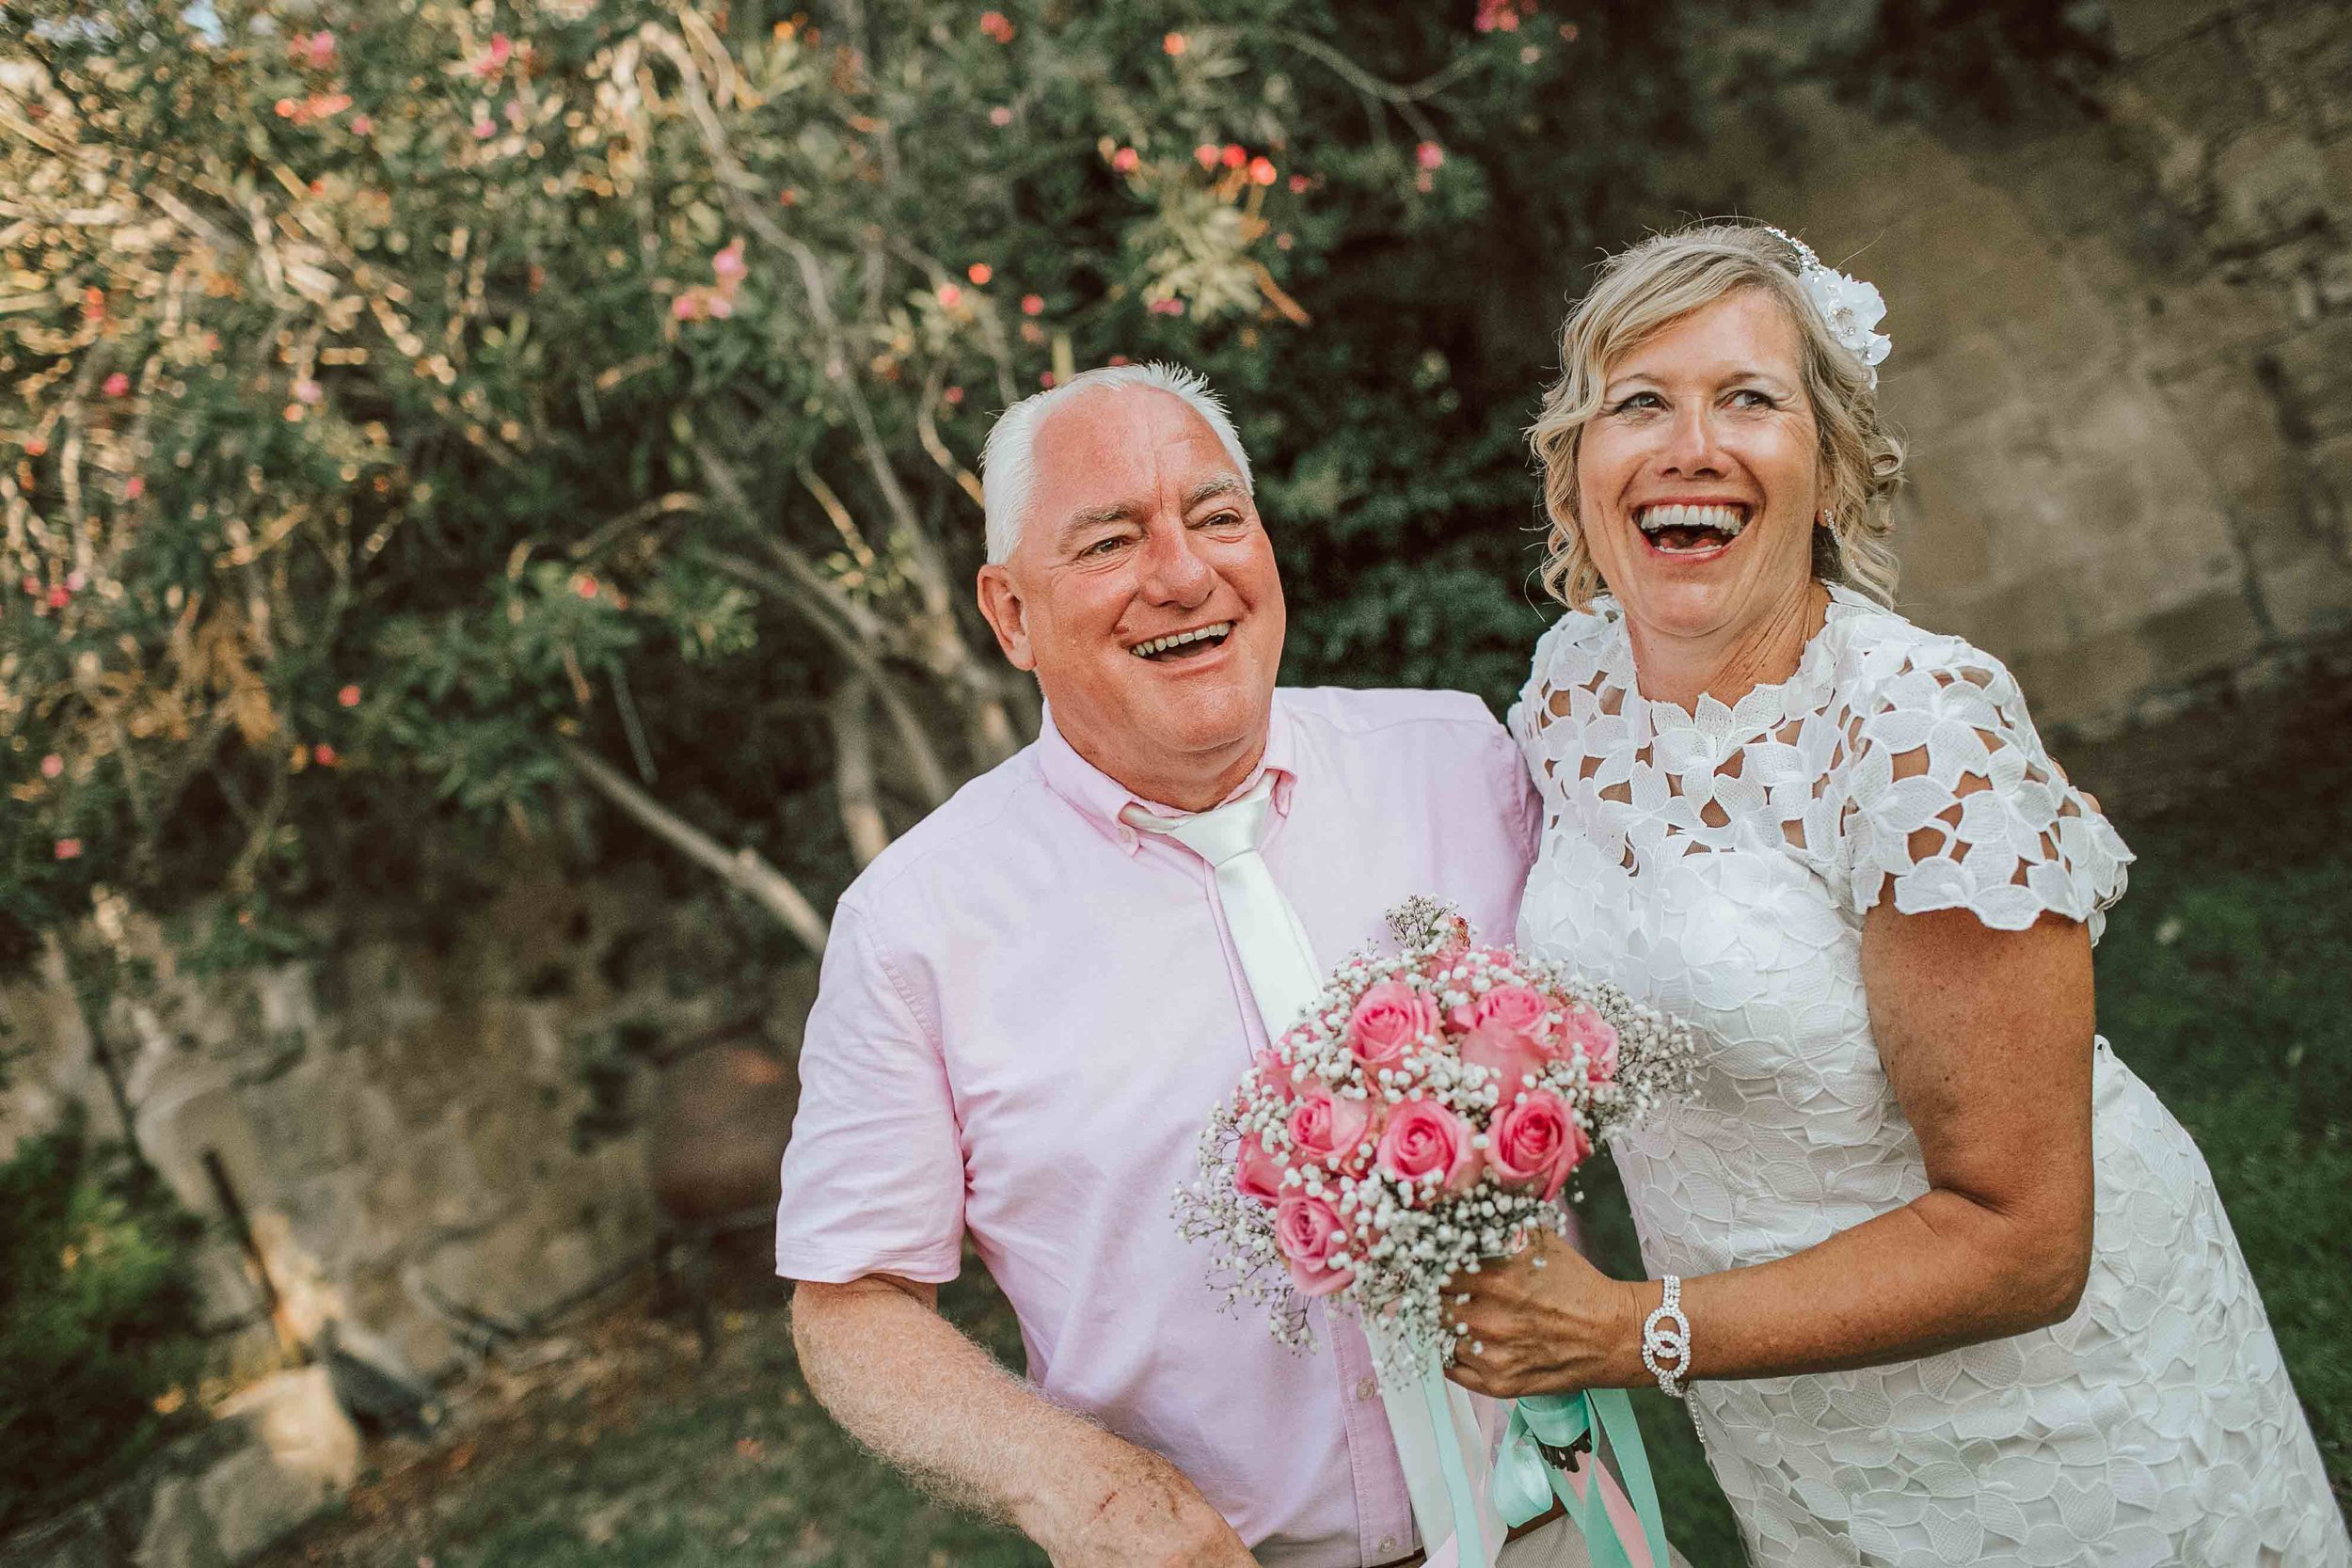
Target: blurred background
[487,501]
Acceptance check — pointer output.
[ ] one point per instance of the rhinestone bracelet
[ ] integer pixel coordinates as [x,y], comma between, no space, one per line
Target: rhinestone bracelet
[1666,1340]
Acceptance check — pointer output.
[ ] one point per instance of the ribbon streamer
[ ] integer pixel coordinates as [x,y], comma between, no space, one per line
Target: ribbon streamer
[1525,1482]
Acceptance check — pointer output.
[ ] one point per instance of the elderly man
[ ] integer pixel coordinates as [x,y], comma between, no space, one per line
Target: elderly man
[1031,1003]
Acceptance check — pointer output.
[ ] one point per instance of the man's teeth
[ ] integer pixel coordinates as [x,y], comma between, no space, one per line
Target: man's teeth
[1725,520]
[1161,644]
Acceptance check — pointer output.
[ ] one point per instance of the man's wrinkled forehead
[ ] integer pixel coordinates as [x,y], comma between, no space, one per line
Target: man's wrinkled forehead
[1121,447]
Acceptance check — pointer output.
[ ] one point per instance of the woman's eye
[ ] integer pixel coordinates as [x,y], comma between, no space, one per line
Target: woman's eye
[1748,397]
[1639,402]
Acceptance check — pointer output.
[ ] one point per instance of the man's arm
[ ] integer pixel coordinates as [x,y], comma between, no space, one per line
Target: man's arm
[902,1380]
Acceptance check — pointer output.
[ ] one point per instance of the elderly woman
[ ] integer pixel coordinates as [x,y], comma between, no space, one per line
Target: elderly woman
[1945,1282]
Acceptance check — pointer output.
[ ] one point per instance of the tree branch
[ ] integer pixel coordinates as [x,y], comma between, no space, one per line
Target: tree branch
[853,774]
[744,868]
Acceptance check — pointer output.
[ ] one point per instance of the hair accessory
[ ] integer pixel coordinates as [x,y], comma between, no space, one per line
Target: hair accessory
[1849,307]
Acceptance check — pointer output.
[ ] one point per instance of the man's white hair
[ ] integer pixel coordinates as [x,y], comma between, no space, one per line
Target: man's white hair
[1008,462]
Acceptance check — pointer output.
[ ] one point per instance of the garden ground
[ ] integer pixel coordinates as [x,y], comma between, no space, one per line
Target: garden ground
[2225,980]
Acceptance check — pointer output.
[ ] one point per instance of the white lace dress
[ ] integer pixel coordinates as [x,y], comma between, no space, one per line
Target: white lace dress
[1718,864]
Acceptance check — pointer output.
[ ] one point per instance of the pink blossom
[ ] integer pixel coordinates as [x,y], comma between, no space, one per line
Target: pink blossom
[349,696]
[1328,1130]
[362,125]
[1430,155]
[979,273]
[1273,1075]
[1234,155]
[1389,1020]
[59,598]
[1299,183]
[134,487]
[1307,1229]
[1032,305]
[1519,1008]
[952,396]
[1423,1140]
[1206,152]
[1000,116]
[686,308]
[77,581]
[727,266]
[1512,1055]
[308,390]
[1582,1028]
[949,296]
[1535,1144]
[68,850]
[324,755]
[1257,1174]
[1261,171]
[1175,43]
[1167,307]
[1125,160]
[52,765]
[116,384]
[502,49]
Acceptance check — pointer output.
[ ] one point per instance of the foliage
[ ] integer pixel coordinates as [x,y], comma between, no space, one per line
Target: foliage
[419,410]
[98,1317]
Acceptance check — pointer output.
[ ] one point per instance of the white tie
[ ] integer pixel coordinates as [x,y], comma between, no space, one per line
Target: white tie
[1274,954]
[1279,965]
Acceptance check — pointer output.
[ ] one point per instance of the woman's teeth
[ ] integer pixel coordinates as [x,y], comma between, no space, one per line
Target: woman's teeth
[1162,644]
[1690,529]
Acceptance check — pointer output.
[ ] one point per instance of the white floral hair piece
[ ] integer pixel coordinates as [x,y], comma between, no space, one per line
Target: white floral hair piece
[1849,307]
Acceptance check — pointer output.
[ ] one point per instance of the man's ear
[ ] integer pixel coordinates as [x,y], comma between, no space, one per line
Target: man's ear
[1006,615]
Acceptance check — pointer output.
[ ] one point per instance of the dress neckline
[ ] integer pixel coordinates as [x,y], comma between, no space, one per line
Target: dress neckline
[1765,706]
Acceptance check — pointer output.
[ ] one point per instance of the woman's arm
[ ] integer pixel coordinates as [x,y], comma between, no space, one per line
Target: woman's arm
[1986,1037]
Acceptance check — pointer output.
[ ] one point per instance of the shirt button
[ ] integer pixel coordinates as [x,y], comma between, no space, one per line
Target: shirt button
[1367,1389]
[1388,1544]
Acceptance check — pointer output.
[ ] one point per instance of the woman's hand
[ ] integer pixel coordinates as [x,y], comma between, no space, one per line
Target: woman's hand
[1546,1321]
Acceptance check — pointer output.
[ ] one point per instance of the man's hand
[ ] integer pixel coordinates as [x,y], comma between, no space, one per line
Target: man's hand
[903,1382]
[1129,1508]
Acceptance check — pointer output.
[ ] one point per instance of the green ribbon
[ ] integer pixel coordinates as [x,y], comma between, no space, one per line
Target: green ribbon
[1525,1482]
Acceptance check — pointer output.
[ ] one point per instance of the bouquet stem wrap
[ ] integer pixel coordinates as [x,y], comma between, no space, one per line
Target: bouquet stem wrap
[1525,1482]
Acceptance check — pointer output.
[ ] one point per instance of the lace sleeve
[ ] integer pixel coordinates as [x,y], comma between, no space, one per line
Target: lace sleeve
[1952,798]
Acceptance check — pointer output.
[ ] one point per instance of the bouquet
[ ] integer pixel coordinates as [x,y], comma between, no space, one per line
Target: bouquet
[1422,1117]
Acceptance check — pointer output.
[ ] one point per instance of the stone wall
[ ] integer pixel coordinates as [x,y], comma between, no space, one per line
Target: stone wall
[411,1123]
[2123,350]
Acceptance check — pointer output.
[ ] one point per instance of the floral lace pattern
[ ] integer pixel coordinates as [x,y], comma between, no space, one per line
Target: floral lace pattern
[1718,863]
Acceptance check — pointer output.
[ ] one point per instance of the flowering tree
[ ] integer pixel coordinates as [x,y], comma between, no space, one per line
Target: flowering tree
[438,402]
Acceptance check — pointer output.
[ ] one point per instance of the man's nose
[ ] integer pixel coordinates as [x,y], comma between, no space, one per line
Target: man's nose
[1173,572]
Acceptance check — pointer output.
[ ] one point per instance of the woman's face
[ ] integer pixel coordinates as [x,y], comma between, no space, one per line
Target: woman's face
[1700,478]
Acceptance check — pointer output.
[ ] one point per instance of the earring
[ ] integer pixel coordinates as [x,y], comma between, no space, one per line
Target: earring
[1829,518]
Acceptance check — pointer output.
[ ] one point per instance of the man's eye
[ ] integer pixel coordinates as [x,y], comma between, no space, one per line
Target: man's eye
[1221,520]
[1103,546]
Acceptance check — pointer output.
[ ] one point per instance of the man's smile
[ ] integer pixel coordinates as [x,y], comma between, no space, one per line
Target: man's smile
[1184,645]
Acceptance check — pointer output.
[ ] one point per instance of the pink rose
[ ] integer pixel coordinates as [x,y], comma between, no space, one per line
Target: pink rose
[1535,1143]
[1509,1054]
[1256,1173]
[1519,1008]
[1327,1129]
[1391,1016]
[1424,1139]
[1274,1074]
[1306,1229]
[1588,1029]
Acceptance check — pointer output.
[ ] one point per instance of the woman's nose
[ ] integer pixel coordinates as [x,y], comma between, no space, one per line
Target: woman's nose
[1691,450]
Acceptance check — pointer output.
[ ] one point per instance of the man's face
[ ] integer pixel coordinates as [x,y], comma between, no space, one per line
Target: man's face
[1138,530]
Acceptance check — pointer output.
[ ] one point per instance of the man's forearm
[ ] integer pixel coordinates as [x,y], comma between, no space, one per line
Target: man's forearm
[901,1380]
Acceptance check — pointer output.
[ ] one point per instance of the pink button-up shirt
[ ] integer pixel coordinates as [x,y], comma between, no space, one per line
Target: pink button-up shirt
[1026,1014]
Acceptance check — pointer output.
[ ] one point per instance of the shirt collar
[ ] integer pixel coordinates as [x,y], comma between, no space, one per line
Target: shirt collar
[1100,799]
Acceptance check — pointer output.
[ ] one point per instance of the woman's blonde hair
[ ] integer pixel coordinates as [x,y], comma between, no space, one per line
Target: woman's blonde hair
[1646,287]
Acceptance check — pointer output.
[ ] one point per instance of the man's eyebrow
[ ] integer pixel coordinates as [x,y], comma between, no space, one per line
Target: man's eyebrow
[1223,484]
[1094,516]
